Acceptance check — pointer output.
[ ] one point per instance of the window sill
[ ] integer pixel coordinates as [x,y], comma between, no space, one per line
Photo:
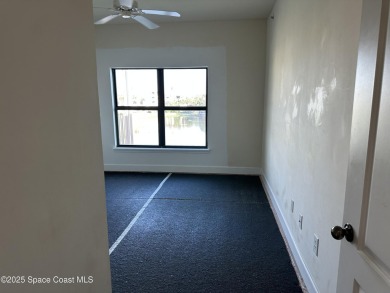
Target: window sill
[161,150]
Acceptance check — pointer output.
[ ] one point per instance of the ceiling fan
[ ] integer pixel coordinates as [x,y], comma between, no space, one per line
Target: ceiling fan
[129,9]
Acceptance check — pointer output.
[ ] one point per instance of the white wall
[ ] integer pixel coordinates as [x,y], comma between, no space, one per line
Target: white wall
[52,211]
[312,51]
[235,55]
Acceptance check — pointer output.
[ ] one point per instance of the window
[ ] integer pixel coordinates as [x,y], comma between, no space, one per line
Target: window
[160,107]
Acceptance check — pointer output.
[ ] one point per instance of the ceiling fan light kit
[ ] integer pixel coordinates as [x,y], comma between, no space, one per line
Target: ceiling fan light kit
[129,9]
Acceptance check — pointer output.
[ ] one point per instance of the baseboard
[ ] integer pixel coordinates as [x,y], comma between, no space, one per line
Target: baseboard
[183,169]
[302,271]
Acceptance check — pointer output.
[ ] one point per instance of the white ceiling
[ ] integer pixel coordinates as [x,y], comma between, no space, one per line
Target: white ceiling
[195,10]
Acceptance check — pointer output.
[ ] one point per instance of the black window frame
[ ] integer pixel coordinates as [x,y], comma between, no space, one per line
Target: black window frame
[160,108]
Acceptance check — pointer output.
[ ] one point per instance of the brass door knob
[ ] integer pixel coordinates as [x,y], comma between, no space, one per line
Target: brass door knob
[339,233]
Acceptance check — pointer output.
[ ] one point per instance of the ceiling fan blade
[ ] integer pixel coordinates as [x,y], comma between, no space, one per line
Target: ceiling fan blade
[161,12]
[106,19]
[145,22]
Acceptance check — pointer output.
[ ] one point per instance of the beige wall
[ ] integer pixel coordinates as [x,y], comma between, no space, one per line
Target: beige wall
[52,211]
[235,54]
[312,51]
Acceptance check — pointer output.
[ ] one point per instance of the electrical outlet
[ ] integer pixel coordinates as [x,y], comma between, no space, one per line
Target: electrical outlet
[300,221]
[316,242]
[292,206]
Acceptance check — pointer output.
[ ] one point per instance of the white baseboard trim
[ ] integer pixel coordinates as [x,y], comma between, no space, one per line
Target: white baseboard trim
[183,169]
[302,271]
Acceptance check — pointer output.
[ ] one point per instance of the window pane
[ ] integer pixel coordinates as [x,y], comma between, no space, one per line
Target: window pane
[138,127]
[185,128]
[185,87]
[136,87]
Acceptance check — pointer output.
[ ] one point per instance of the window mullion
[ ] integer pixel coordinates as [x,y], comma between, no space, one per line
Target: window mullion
[113,72]
[161,106]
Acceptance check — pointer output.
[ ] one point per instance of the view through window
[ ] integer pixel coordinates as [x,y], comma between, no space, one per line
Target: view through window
[161,107]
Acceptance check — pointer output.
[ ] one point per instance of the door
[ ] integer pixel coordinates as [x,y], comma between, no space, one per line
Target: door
[365,262]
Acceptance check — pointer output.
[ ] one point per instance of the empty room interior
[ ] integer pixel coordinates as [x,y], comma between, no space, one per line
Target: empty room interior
[195,146]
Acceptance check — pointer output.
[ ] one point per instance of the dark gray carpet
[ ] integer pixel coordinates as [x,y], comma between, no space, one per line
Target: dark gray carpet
[126,193]
[201,233]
